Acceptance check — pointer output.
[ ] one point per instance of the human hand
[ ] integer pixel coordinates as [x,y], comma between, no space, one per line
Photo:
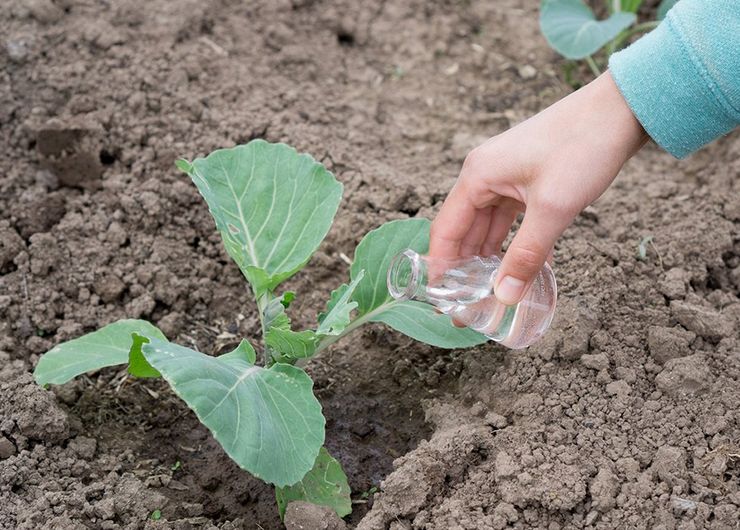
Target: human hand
[551,167]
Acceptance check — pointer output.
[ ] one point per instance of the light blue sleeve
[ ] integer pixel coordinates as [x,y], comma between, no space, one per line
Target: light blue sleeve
[682,80]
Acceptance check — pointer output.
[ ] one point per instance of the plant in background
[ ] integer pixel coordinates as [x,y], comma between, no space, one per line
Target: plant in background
[572,30]
[273,207]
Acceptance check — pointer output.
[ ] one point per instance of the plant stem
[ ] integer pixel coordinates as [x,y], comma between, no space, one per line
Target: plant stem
[620,39]
[262,302]
[364,319]
[593,66]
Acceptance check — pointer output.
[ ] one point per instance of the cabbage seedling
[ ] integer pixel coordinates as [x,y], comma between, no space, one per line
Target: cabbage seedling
[272,207]
[571,28]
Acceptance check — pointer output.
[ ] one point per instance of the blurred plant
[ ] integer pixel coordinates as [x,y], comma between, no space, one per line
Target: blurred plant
[572,30]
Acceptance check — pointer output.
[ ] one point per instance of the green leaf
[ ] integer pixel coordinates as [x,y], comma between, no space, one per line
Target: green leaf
[374,254]
[272,205]
[274,316]
[287,298]
[664,7]
[244,351]
[417,320]
[138,366]
[325,485]
[292,344]
[339,308]
[630,6]
[266,419]
[183,165]
[107,346]
[571,28]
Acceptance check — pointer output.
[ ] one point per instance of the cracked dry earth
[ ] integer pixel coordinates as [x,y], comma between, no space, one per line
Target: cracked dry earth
[627,415]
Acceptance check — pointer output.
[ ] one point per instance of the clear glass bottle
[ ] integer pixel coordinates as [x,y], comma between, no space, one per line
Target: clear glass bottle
[463,289]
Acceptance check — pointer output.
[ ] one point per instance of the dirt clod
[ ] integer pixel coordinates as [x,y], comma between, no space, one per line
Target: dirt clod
[301,515]
[668,343]
[30,411]
[684,375]
[706,323]
[604,489]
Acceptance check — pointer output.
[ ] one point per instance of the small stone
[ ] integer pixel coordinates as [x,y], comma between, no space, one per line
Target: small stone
[527,71]
[707,323]
[597,361]
[7,449]
[685,375]
[669,343]
[306,516]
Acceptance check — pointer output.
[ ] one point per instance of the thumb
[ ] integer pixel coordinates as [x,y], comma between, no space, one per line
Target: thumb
[529,250]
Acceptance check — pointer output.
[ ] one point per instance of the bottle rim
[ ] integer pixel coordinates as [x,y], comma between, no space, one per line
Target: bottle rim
[403,275]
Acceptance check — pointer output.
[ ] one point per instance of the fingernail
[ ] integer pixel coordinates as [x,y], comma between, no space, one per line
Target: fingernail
[509,289]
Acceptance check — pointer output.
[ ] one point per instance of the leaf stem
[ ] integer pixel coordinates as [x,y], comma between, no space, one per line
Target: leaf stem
[593,66]
[356,323]
[620,39]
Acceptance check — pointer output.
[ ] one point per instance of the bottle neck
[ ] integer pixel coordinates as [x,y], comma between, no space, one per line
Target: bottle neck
[407,276]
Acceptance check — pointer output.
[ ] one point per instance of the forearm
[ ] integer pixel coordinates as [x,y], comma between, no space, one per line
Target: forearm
[682,81]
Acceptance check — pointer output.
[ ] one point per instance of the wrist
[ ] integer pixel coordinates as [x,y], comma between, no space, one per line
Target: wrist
[624,129]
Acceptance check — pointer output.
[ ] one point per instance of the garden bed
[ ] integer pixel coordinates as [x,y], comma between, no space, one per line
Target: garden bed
[628,412]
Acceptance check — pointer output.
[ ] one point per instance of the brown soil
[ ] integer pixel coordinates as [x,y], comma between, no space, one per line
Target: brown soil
[626,415]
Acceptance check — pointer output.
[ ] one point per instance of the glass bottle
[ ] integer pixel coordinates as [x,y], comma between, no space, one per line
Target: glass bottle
[463,289]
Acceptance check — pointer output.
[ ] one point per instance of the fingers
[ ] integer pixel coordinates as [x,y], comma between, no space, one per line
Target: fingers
[541,227]
[452,223]
[502,218]
[477,233]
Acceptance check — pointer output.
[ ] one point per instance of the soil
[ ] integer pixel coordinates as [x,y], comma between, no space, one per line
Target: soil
[626,415]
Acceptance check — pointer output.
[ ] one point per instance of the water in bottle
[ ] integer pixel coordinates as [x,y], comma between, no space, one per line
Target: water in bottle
[463,289]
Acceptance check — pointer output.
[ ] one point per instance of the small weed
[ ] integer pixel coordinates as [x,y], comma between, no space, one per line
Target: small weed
[371,491]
